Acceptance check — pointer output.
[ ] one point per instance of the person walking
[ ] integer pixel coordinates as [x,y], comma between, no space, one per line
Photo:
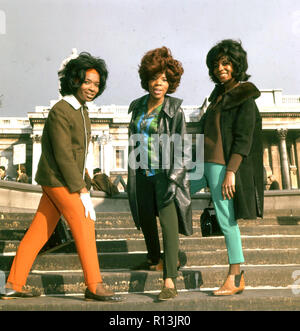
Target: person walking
[156,187]
[61,171]
[233,153]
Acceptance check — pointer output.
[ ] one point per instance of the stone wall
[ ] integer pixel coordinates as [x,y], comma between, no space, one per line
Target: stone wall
[26,197]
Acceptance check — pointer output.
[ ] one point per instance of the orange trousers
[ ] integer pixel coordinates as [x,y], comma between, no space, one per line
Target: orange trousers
[54,202]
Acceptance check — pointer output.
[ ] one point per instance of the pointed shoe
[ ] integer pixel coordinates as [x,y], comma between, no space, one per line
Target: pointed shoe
[234,284]
[102,294]
[12,294]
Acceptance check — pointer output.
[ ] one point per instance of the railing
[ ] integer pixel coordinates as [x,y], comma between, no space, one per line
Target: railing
[14,123]
[291,99]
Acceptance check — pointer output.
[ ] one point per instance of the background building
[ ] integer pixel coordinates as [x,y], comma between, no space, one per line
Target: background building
[108,148]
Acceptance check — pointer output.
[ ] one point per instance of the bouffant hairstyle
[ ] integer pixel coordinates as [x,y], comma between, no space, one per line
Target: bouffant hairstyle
[73,74]
[158,61]
[235,53]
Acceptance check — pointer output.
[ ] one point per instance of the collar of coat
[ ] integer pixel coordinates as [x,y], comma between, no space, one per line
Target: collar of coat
[170,105]
[72,100]
[236,96]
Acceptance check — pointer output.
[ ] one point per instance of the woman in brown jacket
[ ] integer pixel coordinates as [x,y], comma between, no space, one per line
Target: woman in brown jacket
[61,174]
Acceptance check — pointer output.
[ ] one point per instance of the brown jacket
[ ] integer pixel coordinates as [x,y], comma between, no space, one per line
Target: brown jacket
[64,146]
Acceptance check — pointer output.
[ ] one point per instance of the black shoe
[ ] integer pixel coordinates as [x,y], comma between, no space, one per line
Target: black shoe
[12,294]
[88,295]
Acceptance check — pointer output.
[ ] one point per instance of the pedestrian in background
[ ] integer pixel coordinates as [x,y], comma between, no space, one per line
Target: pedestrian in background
[274,185]
[3,175]
[21,174]
[101,182]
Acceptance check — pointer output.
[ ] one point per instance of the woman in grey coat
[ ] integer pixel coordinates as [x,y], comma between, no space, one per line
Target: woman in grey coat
[156,185]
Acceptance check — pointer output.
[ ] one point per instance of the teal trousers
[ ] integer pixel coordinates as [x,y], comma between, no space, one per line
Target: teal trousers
[213,177]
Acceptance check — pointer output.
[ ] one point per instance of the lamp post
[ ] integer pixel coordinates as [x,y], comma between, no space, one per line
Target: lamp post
[103,140]
[282,135]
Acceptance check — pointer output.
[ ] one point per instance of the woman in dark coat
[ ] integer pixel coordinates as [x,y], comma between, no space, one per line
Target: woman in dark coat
[157,185]
[233,153]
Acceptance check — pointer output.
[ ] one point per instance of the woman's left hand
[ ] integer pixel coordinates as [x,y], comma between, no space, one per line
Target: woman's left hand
[228,186]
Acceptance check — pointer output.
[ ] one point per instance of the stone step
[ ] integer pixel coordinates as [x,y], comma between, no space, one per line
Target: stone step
[186,302]
[139,281]
[252,256]
[130,260]
[186,244]
[22,215]
[133,233]
[125,221]
[269,230]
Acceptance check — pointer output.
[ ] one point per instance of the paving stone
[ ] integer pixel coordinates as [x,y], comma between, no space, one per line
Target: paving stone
[185,302]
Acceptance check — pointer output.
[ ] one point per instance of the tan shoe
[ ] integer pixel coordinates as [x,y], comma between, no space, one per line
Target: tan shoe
[167,294]
[160,266]
[234,284]
[157,267]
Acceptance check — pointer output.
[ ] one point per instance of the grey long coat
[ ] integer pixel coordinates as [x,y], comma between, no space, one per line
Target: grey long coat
[171,121]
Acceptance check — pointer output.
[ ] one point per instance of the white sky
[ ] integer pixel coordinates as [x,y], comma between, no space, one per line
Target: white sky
[36,35]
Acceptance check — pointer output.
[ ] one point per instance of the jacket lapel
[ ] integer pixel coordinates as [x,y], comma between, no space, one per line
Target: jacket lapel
[170,105]
[236,96]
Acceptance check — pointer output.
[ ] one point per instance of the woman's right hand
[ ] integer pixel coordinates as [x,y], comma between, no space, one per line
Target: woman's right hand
[228,186]
[87,204]
[83,190]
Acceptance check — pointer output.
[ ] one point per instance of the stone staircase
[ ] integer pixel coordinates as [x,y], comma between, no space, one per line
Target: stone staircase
[272,267]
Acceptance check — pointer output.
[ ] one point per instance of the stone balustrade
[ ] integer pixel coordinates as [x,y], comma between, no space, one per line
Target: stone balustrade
[25,198]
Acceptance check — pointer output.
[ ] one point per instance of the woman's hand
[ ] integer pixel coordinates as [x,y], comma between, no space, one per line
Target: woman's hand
[228,186]
[88,205]
[83,190]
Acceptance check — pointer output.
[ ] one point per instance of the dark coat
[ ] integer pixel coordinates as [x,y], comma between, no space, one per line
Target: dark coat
[101,182]
[274,186]
[241,131]
[171,121]
[64,146]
